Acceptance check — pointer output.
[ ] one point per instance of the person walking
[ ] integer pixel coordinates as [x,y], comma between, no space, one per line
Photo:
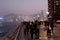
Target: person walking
[36,25]
[52,26]
[32,29]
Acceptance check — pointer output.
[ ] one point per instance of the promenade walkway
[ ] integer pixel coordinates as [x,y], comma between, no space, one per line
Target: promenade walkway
[42,35]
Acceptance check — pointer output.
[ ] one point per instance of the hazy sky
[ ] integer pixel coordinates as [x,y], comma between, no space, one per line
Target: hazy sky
[25,7]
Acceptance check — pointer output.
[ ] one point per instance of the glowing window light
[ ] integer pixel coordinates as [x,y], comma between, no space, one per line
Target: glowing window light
[58,21]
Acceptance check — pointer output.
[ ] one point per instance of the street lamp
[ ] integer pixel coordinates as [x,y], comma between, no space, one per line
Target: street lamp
[47,13]
[38,17]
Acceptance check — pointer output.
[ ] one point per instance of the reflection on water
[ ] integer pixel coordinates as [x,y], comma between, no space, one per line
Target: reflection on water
[6,27]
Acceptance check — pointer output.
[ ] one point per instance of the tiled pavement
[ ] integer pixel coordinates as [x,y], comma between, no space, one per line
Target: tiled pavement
[43,34]
[56,32]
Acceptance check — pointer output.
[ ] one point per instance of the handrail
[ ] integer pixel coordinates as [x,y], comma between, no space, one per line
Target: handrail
[14,33]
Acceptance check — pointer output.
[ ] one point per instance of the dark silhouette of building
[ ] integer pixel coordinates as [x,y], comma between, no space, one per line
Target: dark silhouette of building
[54,9]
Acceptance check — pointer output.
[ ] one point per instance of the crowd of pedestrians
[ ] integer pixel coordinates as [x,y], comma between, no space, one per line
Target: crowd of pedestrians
[33,28]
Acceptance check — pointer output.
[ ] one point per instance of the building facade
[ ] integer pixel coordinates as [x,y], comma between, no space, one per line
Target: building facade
[54,9]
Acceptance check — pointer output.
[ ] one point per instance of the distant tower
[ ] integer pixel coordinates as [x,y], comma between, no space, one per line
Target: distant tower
[42,15]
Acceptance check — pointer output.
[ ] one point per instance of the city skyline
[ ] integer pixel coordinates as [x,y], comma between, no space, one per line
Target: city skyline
[25,7]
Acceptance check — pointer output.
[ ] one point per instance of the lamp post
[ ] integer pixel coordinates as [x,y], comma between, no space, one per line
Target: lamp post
[38,17]
[47,13]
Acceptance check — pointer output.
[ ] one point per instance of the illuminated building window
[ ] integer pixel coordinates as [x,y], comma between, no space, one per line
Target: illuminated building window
[57,2]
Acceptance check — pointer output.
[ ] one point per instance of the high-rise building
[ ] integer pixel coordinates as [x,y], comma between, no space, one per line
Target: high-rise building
[54,9]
